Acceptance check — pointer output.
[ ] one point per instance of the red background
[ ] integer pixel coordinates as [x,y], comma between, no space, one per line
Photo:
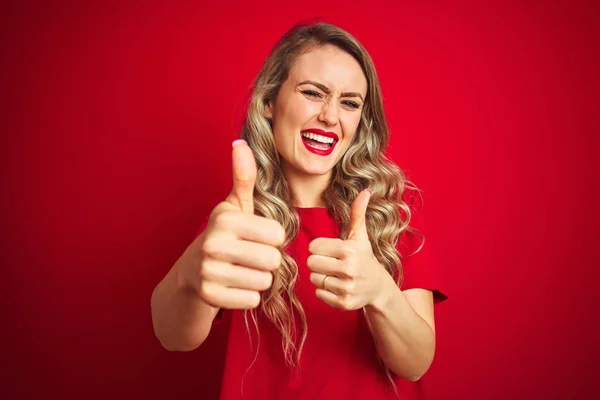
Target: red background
[117,120]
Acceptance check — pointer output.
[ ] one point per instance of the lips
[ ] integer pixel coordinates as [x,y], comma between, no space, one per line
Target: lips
[311,143]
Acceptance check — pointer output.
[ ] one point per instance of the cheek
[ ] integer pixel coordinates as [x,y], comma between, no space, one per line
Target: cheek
[289,117]
[350,124]
[281,139]
[280,125]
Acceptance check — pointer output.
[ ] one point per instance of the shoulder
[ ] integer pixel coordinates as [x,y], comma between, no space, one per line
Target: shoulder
[420,269]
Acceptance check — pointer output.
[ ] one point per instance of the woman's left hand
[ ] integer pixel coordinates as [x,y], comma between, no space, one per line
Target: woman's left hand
[353,276]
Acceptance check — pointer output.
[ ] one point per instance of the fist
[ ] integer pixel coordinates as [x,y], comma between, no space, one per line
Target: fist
[346,272]
[233,260]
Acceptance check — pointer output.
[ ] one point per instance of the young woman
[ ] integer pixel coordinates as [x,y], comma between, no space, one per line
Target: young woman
[315,255]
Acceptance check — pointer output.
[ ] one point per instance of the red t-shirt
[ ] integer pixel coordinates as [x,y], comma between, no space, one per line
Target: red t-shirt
[339,358]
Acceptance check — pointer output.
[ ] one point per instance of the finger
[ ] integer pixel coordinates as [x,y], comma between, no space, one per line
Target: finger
[244,176]
[329,298]
[327,247]
[242,252]
[358,222]
[251,227]
[333,283]
[324,265]
[231,298]
[237,277]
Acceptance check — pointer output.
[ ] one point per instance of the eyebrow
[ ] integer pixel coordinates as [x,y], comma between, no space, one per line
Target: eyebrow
[327,90]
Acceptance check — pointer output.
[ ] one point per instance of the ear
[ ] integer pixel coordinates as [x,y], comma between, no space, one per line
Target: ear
[269,109]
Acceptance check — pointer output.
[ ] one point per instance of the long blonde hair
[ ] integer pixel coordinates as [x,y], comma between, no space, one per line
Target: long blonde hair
[363,166]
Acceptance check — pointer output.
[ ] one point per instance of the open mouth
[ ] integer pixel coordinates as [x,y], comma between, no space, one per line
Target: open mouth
[318,143]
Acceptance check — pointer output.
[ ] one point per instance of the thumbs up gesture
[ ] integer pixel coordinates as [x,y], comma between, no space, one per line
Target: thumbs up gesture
[232,261]
[346,272]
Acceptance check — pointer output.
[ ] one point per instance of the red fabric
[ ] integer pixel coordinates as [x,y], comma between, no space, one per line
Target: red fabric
[339,358]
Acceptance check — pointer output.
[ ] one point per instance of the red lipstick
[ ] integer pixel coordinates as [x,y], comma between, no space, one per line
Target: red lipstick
[321,152]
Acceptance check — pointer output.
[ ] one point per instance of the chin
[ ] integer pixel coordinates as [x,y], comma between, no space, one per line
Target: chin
[312,167]
[320,172]
[316,170]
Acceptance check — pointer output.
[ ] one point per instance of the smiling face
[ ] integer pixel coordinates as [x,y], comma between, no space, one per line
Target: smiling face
[317,111]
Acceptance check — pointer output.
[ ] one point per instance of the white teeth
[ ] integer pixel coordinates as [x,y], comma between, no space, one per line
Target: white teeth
[318,138]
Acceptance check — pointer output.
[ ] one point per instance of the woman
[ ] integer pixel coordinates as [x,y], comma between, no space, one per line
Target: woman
[309,257]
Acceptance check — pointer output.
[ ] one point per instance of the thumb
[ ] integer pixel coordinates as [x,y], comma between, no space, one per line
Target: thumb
[358,221]
[244,176]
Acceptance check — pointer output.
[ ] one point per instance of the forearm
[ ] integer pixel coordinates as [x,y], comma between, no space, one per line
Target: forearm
[181,320]
[404,340]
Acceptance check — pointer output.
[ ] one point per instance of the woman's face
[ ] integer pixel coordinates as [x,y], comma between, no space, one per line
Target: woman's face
[317,110]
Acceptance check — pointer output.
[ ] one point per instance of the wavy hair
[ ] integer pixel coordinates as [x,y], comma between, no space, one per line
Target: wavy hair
[364,165]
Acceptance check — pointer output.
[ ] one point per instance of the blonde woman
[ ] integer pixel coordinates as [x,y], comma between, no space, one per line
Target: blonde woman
[315,257]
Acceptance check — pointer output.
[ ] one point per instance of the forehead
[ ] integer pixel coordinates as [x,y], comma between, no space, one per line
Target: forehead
[332,67]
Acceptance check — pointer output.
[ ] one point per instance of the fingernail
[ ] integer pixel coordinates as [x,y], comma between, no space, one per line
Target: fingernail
[236,142]
[369,190]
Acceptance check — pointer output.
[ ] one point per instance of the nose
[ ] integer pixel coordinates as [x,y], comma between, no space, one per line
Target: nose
[329,113]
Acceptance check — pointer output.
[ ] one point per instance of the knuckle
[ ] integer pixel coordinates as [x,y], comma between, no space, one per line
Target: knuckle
[217,210]
[353,290]
[206,273]
[348,251]
[337,243]
[350,270]
[349,288]
[278,258]
[206,293]
[210,247]
[254,299]
[273,259]
[278,233]
[203,274]
[346,303]
[224,219]
[266,280]
[314,243]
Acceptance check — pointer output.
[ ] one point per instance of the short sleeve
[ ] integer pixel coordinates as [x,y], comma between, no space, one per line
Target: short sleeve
[418,262]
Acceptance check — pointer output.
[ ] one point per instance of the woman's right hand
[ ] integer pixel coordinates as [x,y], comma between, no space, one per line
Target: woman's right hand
[232,261]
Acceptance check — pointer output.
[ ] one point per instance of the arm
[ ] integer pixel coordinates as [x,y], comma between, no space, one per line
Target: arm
[348,276]
[402,323]
[227,266]
[181,319]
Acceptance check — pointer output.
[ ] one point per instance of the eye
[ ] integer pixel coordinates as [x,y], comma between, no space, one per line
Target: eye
[351,104]
[312,93]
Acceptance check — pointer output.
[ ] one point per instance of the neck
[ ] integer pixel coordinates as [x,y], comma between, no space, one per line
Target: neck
[306,190]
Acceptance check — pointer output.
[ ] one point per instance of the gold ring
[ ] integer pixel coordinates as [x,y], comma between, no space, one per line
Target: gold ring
[324,281]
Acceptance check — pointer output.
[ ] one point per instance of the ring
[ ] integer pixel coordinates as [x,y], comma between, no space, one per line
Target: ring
[323,284]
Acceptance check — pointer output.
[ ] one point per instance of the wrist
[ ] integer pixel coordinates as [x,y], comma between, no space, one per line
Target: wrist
[384,295]
[182,284]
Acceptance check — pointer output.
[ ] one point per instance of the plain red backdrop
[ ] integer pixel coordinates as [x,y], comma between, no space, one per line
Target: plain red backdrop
[117,120]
